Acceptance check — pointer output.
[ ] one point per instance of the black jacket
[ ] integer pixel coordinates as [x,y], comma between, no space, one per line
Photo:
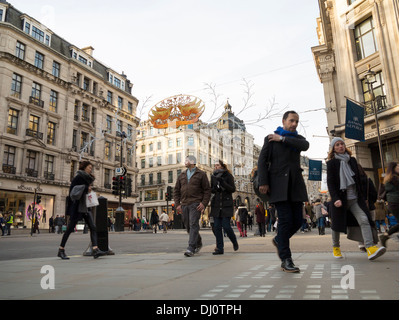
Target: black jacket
[223,187]
[342,218]
[284,174]
[72,206]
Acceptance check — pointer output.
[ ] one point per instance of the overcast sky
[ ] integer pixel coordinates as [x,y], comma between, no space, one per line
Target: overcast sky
[170,47]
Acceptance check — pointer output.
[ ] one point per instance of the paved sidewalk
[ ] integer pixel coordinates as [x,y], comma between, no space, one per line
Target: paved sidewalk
[243,275]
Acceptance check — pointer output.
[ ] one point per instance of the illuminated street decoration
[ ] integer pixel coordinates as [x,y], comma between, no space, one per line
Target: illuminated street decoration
[182,109]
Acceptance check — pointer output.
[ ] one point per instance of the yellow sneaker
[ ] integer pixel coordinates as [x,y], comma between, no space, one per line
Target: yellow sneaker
[374,252]
[337,252]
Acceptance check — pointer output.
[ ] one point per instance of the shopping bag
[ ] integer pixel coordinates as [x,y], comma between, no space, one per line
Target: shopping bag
[91,200]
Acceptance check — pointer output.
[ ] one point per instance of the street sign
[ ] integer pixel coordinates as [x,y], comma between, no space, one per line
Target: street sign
[120,171]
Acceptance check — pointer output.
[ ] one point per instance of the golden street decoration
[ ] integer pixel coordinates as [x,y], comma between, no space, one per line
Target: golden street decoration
[184,109]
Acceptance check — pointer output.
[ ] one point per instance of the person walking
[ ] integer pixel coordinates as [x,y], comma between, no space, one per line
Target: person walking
[280,175]
[154,220]
[349,212]
[260,218]
[391,184]
[222,206]
[381,211]
[77,209]
[164,219]
[321,220]
[242,213]
[192,193]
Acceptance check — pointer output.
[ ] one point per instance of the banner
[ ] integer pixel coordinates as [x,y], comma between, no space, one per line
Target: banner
[315,170]
[354,125]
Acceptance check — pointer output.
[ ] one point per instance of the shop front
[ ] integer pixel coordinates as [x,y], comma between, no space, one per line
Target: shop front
[21,204]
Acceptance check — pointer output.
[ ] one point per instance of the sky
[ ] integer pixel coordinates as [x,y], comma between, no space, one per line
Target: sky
[254,48]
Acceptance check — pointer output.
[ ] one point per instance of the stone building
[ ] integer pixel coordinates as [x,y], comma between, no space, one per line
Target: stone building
[357,38]
[58,105]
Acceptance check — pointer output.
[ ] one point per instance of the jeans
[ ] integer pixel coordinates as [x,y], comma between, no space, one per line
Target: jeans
[219,223]
[71,227]
[191,217]
[363,222]
[290,217]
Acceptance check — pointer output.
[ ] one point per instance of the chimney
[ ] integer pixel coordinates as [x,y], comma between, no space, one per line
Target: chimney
[89,50]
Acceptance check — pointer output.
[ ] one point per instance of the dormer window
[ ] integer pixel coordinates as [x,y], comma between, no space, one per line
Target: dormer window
[3,10]
[81,57]
[37,31]
[115,80]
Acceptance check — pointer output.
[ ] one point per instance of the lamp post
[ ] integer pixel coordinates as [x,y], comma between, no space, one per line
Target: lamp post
[370,79]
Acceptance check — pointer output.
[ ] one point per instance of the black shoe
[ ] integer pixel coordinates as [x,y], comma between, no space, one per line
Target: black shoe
[217,252]
[62,255]
[235,246]
[288,266]
[384,238]
[98,253]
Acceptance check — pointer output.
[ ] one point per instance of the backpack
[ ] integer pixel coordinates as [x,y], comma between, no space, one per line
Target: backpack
[255,178]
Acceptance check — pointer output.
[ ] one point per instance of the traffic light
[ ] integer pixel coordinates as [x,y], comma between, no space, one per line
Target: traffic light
[38,199]
[173,208]
[169,193]
[115,185]
[128,191]
[122,184]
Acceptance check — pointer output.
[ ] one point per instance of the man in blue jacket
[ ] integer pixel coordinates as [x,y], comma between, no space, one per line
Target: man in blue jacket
[280,175]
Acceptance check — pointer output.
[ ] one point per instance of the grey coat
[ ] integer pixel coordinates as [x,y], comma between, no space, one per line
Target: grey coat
[78,194]
[284,173]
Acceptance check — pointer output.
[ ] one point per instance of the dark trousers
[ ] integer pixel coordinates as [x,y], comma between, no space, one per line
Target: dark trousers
[394,207]
[223,222]
[71,227]
[290,218]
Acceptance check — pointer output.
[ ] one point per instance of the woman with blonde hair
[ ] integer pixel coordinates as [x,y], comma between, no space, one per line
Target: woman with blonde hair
[391,184]
[349,211]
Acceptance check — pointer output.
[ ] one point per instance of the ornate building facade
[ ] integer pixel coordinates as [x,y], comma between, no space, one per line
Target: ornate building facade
[58,106]
[357,38]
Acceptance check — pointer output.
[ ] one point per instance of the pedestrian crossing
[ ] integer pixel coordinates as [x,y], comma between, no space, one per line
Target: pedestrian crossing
[265,282]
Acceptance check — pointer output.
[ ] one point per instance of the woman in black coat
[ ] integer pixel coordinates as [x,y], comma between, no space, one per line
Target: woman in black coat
[349,211]
[222,209]
[77,209]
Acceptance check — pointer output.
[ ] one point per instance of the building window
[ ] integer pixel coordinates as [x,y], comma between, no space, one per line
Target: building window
[36,91]
[84,142]
[159,177]
[51,133]
[31,156]
[20,50]
[56,69]
[143,179]
[34,123]
[85,112]
[49,167]
[142,163]
[159,161]
[27,27]
[53,100]
[39,60]
[16,86]
[159,143]
[120,103]
[365,39]
[9,156]
[109,124]
[130,107]
[12,125]
[107,150]
[37,34]
[74,140]
[170,176]
[109,97]
[379,94]
[107,178]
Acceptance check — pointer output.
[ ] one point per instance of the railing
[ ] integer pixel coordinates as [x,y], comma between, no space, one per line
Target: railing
[31,172]
[34,134]
[9,169]
[36,101]
[380,104]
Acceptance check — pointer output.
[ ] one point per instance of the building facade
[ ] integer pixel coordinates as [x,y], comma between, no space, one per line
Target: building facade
[161,154]
[58,106]
[356,37]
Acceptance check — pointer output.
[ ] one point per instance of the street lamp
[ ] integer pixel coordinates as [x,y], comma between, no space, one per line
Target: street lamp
[370,79]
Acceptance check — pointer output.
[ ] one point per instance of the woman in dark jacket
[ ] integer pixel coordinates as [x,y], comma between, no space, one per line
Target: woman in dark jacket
[222,209]
[349,209]
[77,210]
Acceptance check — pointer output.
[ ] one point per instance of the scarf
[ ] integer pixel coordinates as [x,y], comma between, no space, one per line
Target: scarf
[87,177]
[280,131]
[345,171]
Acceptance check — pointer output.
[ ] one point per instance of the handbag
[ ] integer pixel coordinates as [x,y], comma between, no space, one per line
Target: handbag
[91,200]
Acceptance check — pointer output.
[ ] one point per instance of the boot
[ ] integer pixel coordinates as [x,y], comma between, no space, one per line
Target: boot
[62,255]
[288,266]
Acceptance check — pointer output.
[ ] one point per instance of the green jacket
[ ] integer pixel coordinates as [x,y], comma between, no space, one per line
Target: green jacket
[392,192]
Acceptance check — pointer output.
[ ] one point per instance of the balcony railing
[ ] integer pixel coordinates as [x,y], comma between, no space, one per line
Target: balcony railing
[36,101]
[49,176]
[31,172]
[380,104]
[9,169]
[34,134]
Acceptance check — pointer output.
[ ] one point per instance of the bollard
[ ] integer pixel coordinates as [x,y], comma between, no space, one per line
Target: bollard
[100,216]
[120,219]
